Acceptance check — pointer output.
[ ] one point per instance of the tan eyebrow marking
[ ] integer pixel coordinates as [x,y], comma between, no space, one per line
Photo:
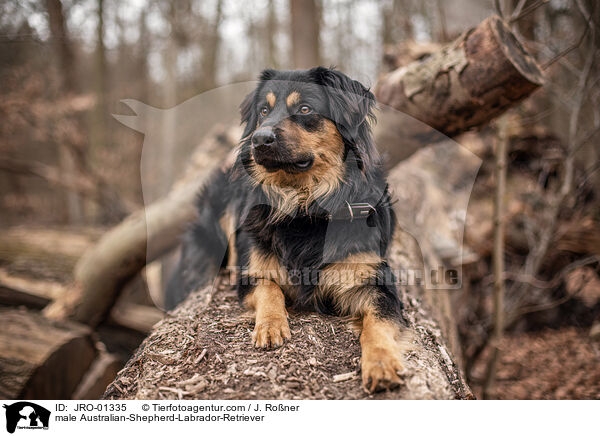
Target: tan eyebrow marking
[271,99]
[293,98]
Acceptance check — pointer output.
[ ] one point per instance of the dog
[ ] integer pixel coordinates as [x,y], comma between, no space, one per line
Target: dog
[305,216]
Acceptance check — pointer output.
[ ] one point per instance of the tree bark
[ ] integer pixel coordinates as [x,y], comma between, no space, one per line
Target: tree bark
[463,86]
[305,29]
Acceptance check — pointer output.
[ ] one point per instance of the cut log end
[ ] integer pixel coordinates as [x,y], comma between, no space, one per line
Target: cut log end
[515,52]
[40,359]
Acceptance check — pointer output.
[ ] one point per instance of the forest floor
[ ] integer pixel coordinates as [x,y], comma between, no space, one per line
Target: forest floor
[550,364]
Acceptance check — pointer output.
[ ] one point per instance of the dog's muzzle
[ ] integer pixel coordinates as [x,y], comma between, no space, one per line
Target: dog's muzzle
[269,153]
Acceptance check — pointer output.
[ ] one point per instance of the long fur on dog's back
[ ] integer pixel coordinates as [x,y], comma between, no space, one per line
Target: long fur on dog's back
[204,244]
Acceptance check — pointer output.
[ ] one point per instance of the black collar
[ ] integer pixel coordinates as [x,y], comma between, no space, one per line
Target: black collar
[352,211]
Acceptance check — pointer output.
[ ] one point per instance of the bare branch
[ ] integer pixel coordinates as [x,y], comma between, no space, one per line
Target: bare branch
[518,14]
[572,47]
[498,255]
[498,8]
[518,312]
[517,10]
[48,173]
[94,189]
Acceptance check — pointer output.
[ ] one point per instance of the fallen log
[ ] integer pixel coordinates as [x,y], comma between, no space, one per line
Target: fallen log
[43,253]
[138,317]
[460,87]
[202,350]
[24,291]
[41,359]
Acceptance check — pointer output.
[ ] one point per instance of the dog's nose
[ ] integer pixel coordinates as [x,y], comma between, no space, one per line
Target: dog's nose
[264,136]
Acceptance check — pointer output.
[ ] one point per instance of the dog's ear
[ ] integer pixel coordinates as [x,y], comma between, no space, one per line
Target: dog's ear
[267,74]
[351,108]
[247,108]
[248,114]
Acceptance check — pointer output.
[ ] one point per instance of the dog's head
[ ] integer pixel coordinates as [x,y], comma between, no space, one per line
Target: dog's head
[305,128]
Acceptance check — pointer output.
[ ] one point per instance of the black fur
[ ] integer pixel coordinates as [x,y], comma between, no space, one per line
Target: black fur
[306,241]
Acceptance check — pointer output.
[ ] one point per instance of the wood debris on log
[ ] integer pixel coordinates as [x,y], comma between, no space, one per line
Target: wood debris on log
[204,352]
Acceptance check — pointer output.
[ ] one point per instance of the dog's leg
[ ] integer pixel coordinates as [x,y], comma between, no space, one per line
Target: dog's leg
[382,349]
[271,325]
[266,298]
[362,286]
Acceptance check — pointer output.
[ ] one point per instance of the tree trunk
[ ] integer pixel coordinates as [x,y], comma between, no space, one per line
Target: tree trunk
[305,24]
[271,34]
[99,132]
[62,44]
[64,52]
[498,255]
[210,50]
[461,87]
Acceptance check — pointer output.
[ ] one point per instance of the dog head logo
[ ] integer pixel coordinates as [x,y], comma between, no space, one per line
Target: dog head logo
[26,415]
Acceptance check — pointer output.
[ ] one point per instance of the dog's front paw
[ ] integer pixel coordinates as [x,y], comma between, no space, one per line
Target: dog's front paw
[380,368]
[271,332]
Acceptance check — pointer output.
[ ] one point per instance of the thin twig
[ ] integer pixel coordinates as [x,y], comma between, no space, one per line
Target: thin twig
[569,49]
[498,8]
[545,284]
[517,313]
[517,14]
[535,258]
[545,306]
[498,255]
[517,10]
[343,377]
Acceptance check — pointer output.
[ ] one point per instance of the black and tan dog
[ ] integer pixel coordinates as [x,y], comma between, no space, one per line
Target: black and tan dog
[305,215]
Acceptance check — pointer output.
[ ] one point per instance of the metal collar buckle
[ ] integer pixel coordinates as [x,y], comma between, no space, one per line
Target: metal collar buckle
[360,210]
[353,211]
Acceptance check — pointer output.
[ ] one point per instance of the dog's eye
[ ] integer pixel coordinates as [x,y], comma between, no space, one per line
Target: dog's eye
[305,109]
[264,111]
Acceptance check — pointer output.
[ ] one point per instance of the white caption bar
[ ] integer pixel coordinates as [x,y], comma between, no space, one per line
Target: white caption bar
[107,418]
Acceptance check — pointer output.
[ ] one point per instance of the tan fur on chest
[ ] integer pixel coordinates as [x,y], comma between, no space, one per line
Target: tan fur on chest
[290,191]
